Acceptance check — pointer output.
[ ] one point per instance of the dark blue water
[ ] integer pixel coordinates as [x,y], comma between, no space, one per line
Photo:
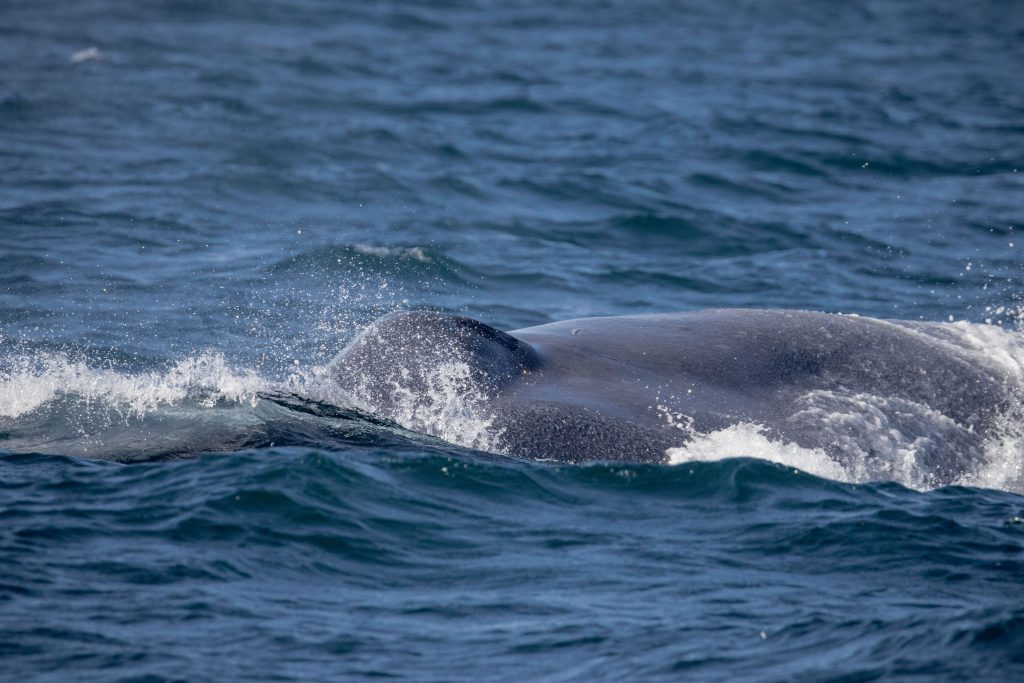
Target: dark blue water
[200,204]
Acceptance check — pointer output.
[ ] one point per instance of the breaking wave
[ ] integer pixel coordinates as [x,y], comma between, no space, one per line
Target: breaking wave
[30,383]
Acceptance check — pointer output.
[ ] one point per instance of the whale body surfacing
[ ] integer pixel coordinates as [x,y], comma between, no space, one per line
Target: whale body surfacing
[872,395]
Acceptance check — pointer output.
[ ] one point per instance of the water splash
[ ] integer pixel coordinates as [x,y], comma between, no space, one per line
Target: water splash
[888,438]
[447,402]
[29,383]
[750,440]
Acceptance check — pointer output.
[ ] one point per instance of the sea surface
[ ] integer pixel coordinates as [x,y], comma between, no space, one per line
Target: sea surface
[202,203]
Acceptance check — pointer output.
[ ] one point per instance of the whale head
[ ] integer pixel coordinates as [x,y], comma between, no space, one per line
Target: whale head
[432,372]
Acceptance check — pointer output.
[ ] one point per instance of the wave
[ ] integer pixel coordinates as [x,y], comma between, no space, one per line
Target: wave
[352,483]
[277,541]
[394,262]
[28,383]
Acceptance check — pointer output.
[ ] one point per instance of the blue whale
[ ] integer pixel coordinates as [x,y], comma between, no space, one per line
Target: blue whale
[864,391]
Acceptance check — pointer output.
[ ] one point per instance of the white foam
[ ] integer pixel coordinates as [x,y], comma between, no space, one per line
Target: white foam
[876,437]
[746,439]
[879,437]
[28,384]
[1001,347]
[451,407]
[1002,466]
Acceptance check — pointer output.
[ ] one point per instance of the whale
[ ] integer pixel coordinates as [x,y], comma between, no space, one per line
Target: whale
[868,393]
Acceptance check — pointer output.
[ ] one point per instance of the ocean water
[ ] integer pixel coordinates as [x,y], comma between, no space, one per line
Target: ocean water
[202,203]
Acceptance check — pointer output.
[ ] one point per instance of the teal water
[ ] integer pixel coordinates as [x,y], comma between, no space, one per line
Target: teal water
[201,205]
[300,564]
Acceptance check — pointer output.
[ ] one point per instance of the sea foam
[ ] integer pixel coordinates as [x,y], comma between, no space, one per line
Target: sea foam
[888,438]
[28,383]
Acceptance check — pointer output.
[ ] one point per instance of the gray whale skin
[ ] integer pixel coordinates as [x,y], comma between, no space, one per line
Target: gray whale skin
[628,388]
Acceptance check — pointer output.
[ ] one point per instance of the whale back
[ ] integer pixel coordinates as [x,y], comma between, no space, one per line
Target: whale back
[873,395]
